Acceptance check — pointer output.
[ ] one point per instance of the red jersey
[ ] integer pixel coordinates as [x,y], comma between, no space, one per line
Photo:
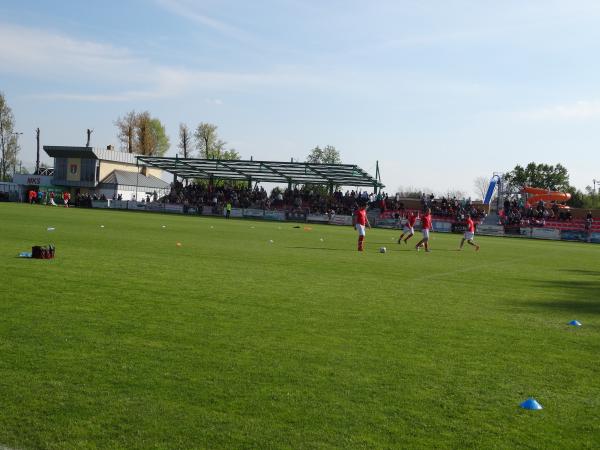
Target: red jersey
[426,222]
[361,216]
[411,219]
[470,225]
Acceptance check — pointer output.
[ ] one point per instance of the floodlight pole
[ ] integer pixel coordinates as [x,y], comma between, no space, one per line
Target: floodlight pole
[137,177]
[175,173]
[37,159]
[377,176]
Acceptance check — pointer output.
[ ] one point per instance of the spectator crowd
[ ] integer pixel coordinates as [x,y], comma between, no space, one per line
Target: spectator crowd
[311,199]
[515,212]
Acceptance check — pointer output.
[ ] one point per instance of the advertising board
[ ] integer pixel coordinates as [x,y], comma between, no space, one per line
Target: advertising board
[490,230]
[274,215]
[341,220]
[251,212]
[545,233]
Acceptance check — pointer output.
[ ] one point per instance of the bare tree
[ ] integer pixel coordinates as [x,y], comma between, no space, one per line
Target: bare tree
[481,186]
[185,140]
[412,191]
[127,130]
[455,193]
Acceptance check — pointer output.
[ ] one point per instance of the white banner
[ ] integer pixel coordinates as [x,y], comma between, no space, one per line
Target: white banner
[490,230]
[324,218]
[173,208]
[250,212]
[274,215]
[341,220]
[32,180]
[545,233]
[441,226]
[237,212]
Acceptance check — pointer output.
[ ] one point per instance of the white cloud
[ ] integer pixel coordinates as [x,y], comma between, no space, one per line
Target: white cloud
[189,12]
[34,51]
[580,110]
[117,74]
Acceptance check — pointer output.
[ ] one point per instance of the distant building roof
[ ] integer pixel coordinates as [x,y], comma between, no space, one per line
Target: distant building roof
[124,178]
[60,151]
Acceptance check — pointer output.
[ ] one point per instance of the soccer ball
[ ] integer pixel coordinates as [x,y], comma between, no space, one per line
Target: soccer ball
[382,250]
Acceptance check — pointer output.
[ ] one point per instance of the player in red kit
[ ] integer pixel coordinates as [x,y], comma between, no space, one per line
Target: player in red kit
[426,227]
[409,229]
[469,234]
[359,221]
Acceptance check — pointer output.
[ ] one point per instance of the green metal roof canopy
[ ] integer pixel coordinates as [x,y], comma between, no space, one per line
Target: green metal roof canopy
[269,171]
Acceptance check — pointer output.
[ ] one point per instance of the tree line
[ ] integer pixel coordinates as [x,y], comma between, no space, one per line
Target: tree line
[145,135]
[9,140]
[545,176]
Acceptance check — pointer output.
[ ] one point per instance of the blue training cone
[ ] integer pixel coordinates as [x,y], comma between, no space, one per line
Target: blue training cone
[575,323]
[531,403]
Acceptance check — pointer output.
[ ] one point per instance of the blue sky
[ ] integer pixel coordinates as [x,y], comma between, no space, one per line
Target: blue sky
[440,92]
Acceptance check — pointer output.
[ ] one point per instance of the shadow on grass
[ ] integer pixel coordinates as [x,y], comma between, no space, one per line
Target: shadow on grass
[305,247]
[584,272]
[576,296]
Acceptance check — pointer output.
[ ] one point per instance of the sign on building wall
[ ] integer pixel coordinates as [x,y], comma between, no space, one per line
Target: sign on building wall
[73,169]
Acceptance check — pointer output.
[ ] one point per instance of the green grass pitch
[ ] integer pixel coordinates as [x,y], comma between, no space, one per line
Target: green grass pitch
[127,340]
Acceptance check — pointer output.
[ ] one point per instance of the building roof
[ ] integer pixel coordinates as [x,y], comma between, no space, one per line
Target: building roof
[60,151]
[124,178]
[269,171]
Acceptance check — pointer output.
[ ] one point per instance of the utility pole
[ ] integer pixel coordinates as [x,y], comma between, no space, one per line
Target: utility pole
[37,158]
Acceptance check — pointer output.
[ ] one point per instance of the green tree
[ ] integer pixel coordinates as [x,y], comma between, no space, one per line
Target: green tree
[554,178]
[160,139]
[326,155]
[210,146]
[9,146]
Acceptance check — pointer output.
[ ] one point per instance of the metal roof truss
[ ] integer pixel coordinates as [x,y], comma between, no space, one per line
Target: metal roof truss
[268,171]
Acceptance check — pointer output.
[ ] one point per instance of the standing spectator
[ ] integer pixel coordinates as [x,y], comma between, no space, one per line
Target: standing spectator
[588,225]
